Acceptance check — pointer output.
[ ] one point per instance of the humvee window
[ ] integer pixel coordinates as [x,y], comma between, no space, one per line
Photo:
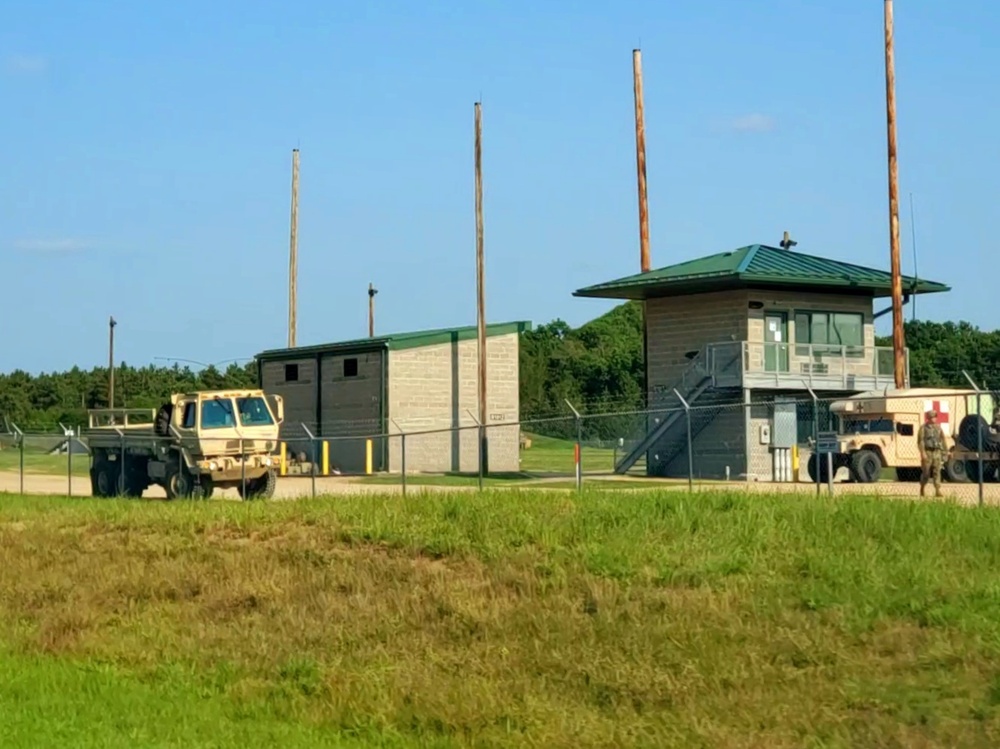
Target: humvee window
[253,412]
[868,426]
[189,416]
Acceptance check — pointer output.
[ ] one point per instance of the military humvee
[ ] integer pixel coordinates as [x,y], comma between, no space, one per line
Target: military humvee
[878,429]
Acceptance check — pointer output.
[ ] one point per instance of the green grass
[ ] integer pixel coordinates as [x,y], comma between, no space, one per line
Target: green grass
[551,455]
[39,461]
[502,619]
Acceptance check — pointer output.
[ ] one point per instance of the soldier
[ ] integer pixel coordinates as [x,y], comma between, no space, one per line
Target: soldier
[932,446]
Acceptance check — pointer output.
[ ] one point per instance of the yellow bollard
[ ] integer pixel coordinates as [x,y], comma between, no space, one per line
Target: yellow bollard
[326,458]
[368,457]
[795,463]
[284,459]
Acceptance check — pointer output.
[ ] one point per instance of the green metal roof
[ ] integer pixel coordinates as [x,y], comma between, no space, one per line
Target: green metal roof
[395,341]
[757,266]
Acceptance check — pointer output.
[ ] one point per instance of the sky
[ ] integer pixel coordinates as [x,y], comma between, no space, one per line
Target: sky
[146,162]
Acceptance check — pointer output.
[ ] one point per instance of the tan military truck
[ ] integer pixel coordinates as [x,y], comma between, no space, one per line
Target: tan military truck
[878,429]
[193,444]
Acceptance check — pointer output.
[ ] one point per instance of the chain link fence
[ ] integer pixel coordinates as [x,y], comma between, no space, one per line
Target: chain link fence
[768,442]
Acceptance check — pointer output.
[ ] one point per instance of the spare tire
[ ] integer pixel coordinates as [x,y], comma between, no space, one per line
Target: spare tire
[969,431]
[162,424]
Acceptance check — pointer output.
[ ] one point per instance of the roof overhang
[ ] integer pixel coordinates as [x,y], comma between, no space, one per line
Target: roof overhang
[636,289]
[325,349]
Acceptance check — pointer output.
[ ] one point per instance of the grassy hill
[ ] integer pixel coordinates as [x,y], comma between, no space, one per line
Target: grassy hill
[499,619]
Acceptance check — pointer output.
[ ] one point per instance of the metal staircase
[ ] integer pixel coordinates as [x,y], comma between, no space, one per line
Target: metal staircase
[669,432]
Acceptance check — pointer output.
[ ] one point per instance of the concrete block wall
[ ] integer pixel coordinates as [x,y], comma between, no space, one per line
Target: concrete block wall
[720,445]
[677,325]
[298,395]
[435,387]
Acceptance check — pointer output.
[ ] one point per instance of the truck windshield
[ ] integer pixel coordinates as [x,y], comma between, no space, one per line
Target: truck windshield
[868,426]
[217,414]
[254,412]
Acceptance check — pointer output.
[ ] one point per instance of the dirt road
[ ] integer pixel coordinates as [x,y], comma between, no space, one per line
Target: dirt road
[300,488]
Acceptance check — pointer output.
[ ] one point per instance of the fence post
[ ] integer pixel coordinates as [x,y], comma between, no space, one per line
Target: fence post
[402,449]
[480,442]
[577,457]
[121,465]
[816,444]
[243,471]
[981,477]
[20,459]
[312,457]
[69,465]
[979,434]
[687,416]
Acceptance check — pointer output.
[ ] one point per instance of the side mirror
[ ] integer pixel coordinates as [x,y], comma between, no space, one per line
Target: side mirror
[278,406]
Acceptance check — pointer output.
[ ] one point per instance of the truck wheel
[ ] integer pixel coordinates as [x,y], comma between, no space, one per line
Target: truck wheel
[203,489]
[866,467]
[103,480]
[178,483]
[955,471]
[260,488]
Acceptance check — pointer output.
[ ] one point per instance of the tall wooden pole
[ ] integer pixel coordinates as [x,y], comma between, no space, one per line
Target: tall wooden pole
[111,362]
[898,337]
[372,291]
[640,161]
[293,253]
[481,285]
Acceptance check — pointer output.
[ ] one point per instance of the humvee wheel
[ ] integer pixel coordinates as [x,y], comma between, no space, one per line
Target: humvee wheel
[866,466]
[811,468]
[259,488]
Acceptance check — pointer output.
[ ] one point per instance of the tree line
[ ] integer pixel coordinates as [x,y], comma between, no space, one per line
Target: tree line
[598,367]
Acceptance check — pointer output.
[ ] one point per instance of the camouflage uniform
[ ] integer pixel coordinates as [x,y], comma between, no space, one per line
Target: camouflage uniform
[931,441]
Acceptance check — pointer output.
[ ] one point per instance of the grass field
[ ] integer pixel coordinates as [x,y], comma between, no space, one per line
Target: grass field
[39,461]
[551,455]
[514,618]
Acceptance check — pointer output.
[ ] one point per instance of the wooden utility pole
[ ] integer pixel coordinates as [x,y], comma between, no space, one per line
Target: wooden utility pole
[898,337]
[640,161]
[372,291]
[293,253]
[111,362]
[481,286]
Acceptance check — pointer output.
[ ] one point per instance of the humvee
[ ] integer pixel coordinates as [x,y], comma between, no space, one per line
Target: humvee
[193,444]
[878,429]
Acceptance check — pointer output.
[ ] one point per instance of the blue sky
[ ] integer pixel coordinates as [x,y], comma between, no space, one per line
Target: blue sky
[146,163]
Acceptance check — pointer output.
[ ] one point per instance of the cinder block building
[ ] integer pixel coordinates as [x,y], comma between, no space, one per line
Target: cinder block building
[754,324]
[423,383]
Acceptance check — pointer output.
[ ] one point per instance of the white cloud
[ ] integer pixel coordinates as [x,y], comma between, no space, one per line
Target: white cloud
[753,123]
[25,64]
[67,244]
